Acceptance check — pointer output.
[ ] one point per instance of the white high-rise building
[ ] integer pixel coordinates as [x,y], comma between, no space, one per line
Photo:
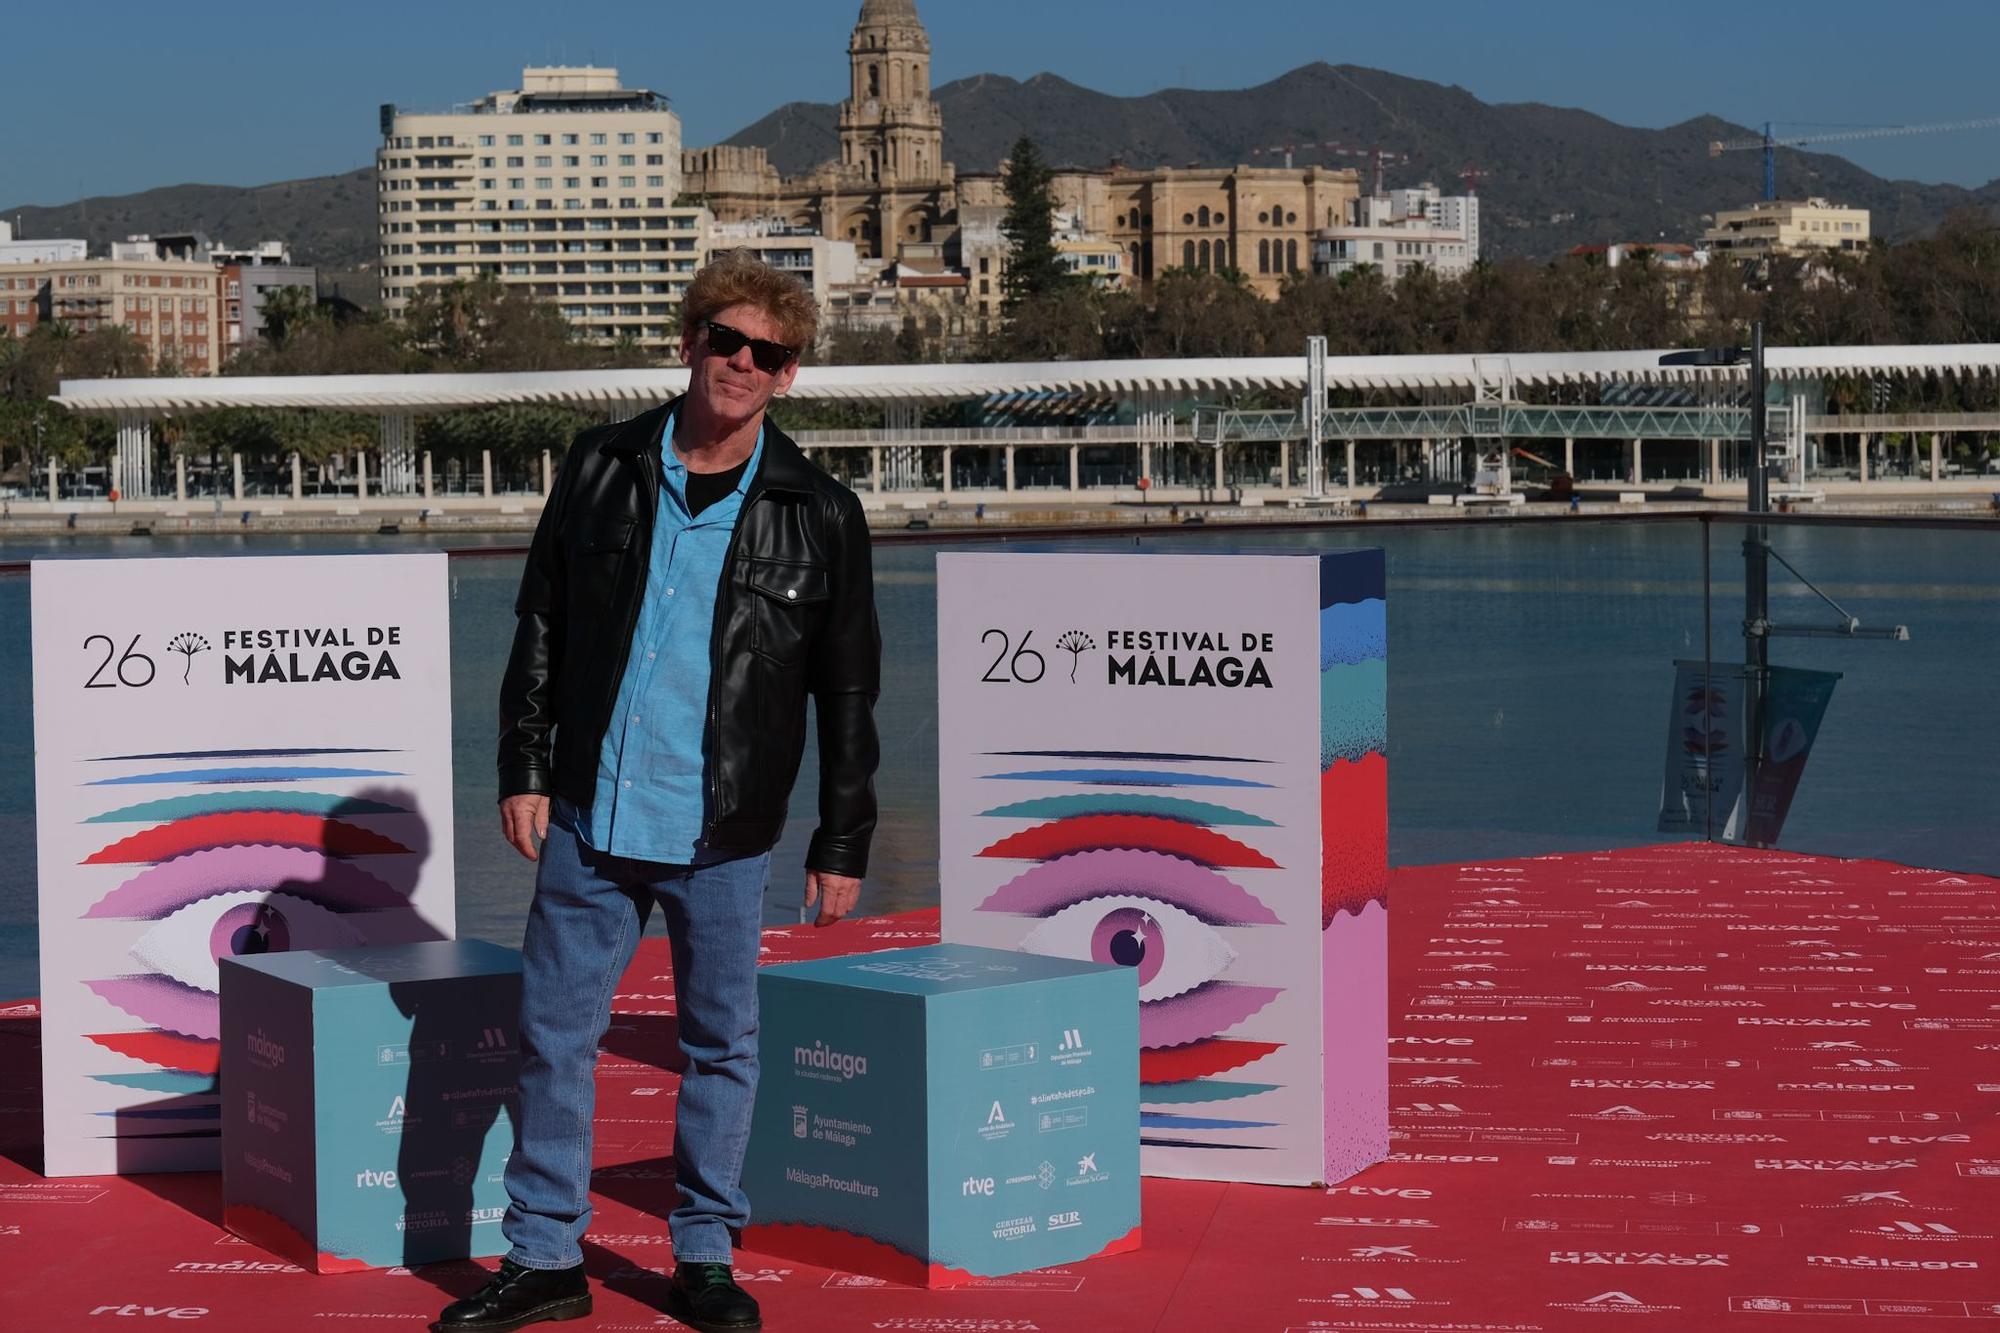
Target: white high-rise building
[564,187]
[1454,213]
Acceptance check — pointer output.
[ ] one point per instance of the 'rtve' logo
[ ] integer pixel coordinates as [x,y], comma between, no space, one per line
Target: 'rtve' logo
[135,1311]
[977,1185]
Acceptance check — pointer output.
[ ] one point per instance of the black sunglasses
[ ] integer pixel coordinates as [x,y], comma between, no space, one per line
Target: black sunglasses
[726,342]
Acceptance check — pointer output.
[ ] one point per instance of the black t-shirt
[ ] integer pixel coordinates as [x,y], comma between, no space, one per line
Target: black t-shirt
[705,488]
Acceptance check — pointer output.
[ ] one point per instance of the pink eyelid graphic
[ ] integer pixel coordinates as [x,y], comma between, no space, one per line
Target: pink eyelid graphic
[165,1003]
[335,885]
[1067,880]
[1201,1012]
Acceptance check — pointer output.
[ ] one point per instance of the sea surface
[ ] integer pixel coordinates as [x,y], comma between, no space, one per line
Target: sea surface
[1530,675]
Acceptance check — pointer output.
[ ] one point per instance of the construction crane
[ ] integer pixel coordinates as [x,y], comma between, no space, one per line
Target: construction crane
[1336,149]
[1771,143]
[1470,176]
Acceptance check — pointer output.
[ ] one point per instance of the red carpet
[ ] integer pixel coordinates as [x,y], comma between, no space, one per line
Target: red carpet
[1695,1086]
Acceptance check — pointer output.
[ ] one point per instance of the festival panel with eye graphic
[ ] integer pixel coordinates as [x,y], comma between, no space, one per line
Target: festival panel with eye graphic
[1123,869]
[232,853]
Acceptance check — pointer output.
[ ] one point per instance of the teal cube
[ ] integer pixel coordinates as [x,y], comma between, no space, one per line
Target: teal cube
[368,1101]
[937,1115]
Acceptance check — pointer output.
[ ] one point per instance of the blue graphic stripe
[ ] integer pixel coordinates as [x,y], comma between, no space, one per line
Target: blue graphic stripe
[1353,632]
[1145,1142]
[178,1084]
[243,754]
[1120,803]
[1123,755]
[221,775]
[1163,1120]
[240,802]
[1200,1090]
[1124,777]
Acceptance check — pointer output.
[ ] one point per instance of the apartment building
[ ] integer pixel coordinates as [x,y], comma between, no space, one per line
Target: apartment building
[820,262]
[1395,249]
[170,304]
[565,187]
[1786,227]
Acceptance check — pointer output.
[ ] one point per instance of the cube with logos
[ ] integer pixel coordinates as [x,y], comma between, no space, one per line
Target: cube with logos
[1177,762]
[937,1115]
[368,1099]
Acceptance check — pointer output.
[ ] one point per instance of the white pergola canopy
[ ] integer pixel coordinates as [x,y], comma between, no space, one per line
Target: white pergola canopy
[959,382]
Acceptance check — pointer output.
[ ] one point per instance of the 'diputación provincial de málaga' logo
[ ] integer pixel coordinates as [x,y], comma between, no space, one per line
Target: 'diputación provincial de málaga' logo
[187,644]
[1076,643]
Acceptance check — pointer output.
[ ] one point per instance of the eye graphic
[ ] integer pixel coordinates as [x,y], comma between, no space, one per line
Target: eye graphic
[186,945]
[1132,931]
[1135,879]
[232,866]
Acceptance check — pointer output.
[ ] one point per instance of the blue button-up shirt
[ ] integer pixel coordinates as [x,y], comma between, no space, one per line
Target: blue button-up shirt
[648,803]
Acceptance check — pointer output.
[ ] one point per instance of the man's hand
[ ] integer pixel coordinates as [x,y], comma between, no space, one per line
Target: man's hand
[524,823]
[835,894]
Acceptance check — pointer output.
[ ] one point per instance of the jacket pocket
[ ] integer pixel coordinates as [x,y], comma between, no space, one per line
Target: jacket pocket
[785,605]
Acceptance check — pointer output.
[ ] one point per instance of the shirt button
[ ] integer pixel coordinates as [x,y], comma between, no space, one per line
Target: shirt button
[792,594]
[635,717]
[670,592]
[651,656]
[628,782]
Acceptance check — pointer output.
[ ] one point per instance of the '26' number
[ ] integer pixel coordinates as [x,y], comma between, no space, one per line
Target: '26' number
[1015,672]
[128,664]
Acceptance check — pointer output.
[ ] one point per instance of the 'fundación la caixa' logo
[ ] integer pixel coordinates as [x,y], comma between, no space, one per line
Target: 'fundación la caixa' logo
[1170,657]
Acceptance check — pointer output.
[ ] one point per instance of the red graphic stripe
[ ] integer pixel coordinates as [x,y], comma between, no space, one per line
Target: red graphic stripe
[1199,1059]
[242,828]
[1145,833]
[188,1055]
[1354,836]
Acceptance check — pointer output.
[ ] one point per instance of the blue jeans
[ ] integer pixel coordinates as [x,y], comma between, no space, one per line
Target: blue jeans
[587,916]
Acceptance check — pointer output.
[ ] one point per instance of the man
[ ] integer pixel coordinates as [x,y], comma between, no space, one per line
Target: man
[692,579]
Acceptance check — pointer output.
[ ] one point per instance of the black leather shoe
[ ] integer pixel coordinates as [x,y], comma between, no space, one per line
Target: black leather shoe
[515,1297]
[706,1298]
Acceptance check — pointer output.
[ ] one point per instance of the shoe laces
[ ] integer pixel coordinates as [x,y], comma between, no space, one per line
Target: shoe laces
[714,1275]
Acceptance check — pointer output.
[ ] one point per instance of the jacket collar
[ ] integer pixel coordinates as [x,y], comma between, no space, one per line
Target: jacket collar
[784,467]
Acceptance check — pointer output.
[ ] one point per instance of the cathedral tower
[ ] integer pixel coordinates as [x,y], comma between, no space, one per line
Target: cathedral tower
[891,132]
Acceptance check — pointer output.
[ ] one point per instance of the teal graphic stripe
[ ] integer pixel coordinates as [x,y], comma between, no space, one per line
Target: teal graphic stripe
[1127,803]
[1164,1120]
[1353,711]
[179,1084]
[1200,1090]
[238,802]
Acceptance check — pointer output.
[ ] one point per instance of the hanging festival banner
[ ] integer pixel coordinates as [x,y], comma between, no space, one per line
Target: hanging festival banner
[1702,788]
[1178,763]
[1795,702]
[232,756]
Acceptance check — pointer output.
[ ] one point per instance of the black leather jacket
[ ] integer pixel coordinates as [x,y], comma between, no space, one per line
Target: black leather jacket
[794,612]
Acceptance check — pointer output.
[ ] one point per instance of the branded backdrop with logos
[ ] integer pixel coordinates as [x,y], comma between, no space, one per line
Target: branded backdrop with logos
[232,756]
[1177,763]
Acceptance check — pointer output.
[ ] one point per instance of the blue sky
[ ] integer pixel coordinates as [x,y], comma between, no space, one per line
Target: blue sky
[141,95]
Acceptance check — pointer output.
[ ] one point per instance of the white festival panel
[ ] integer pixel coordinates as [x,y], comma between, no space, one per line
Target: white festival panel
[232,756]
[1177,763]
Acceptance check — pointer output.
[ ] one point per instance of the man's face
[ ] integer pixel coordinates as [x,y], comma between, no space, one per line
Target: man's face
[732,388]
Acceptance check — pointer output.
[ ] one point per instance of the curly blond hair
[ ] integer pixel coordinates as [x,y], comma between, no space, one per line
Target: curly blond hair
[737,277]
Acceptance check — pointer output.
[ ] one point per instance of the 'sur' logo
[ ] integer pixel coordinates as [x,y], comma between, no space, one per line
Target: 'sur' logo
[1076,643]
[187,645]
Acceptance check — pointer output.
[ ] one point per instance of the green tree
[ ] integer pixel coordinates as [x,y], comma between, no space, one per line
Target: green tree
[1033,268]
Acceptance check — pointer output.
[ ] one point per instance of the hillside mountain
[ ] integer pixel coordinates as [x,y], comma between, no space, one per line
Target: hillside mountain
[1553,177]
